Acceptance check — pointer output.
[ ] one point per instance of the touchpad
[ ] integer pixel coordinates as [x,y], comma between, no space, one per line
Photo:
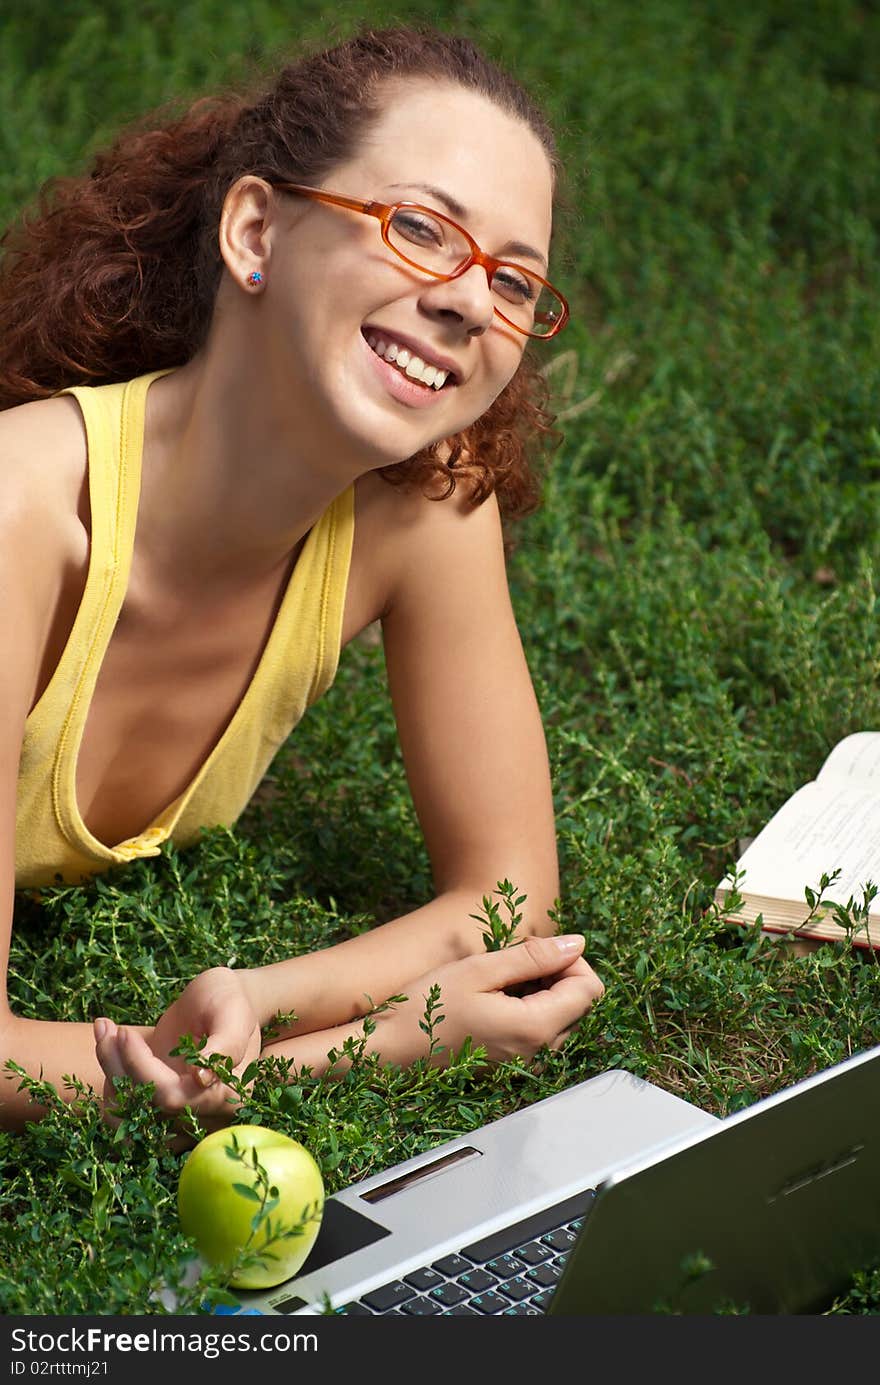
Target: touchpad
[343,1231]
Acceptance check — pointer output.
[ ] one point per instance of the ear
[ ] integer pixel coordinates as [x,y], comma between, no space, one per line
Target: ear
[245,228]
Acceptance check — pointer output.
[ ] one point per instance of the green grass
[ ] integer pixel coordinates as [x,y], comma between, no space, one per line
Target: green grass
[697,598]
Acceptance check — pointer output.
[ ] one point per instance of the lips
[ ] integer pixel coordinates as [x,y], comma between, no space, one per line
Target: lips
[417,362]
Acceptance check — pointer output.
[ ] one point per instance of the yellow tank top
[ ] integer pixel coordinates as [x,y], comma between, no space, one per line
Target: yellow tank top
[298,664]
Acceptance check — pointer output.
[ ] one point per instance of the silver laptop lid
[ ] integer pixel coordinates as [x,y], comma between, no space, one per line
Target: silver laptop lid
[772,1210]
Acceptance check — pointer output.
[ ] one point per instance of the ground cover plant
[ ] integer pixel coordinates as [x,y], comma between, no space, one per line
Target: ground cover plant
[697,598]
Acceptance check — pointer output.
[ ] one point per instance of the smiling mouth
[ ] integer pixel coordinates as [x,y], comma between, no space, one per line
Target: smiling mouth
[408,363]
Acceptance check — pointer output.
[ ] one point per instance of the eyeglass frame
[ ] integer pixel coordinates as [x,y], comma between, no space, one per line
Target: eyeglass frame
[384,213]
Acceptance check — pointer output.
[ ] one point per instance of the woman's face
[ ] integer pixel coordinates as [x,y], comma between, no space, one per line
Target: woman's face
[335,292]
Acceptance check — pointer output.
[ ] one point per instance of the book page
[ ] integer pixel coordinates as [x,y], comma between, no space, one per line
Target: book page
[856,757]
[817,831]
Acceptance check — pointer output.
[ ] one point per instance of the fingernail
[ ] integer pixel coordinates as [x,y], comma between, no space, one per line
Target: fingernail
[570,942]
[100,1029]
[205,1076]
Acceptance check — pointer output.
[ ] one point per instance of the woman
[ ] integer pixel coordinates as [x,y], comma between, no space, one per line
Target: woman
[291,406]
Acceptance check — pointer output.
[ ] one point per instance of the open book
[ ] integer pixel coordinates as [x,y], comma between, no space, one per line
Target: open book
[831,824]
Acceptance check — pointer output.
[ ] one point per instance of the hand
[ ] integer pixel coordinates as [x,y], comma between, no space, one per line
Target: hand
[555,986]
[214,1005]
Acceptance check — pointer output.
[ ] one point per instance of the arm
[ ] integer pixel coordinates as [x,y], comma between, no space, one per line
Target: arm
[475,757]
[551,987]
[44,554]
[558,987]
[476,760]
[38,552]
[44,1048]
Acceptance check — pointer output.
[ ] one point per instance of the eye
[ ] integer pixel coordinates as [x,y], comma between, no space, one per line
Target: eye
[514,285]
[417,228]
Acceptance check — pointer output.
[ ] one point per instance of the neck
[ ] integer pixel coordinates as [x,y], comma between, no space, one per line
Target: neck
[235,471]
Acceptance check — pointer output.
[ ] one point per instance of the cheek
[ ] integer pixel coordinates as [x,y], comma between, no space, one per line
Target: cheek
[503,361]
[477,400]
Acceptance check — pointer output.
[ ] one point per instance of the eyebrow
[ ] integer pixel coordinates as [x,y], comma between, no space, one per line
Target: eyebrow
[513,247]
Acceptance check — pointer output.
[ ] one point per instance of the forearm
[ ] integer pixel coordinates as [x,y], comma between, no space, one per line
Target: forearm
[337,984]
[394,1042]
[510,1003]
[49,1050]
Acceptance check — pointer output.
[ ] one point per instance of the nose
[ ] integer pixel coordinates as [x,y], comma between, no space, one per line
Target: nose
[466,299]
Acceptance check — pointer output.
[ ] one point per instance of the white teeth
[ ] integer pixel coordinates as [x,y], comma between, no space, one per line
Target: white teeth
[413,366]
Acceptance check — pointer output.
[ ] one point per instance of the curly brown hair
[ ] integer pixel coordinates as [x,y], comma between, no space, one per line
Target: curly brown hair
[115,272]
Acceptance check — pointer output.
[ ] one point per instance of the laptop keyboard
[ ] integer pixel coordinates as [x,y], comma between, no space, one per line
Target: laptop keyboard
[512,1272]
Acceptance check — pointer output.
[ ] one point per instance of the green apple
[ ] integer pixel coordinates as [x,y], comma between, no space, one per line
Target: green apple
[252,1199]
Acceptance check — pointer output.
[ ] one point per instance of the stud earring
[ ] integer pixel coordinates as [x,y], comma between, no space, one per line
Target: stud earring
[255,277]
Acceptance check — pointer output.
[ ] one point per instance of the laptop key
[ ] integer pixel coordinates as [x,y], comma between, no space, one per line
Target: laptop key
[536,1225]
[542,1300]
[423,1279]
[461,1310]
[490,1303]
[559,1240]
[357,1310]
[533,1253]
[545,1275]
[420,1307]
[516,1289]
[452,1265]
[521,1309]
[449,1294]
[388,1296]
[477,1280]
[504,1266]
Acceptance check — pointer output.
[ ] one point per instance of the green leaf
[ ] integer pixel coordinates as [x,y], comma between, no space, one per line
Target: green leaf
[244,1190]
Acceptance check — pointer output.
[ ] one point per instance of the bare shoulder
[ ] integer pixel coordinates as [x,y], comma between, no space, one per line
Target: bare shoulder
[43,525]
[42,458]
[402,508]
[400,532]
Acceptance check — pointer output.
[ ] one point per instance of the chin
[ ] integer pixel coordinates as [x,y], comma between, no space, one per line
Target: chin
[387,441]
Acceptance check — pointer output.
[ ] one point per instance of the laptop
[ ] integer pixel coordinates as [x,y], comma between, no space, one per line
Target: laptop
[613,1196]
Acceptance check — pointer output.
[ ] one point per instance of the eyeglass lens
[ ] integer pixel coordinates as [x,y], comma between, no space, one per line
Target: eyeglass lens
[434,244]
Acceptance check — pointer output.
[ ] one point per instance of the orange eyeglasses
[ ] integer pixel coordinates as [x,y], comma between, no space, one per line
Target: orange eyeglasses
[432,243]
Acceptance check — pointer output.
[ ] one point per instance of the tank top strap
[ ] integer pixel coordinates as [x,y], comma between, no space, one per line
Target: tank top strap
[114,423]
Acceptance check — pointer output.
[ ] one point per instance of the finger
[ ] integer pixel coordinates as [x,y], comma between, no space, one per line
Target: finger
[559,1039]
[252,1050]
[161,1047]
[521,988]
[107,1048]
[528,961]
[578,968]
[172,1091]
[561,1005]
[578,965]
[232,1044]
[142,1065]
[233,1037]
